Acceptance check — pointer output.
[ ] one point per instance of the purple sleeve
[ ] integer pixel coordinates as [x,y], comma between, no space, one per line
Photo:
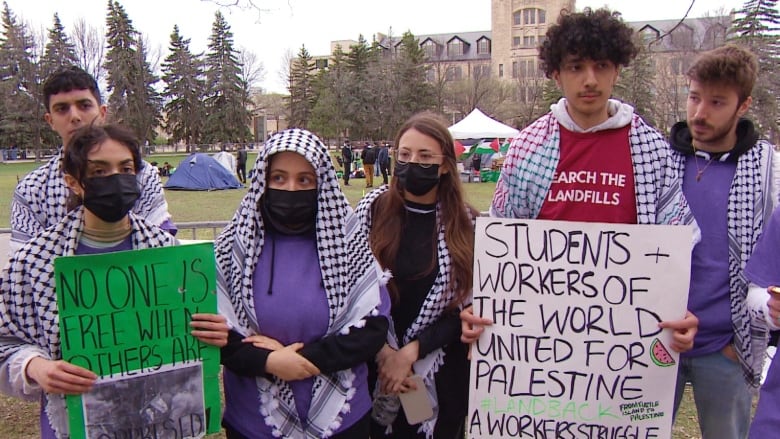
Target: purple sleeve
[763,268]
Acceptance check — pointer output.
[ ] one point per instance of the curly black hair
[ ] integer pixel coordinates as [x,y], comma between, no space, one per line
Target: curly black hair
[595,35]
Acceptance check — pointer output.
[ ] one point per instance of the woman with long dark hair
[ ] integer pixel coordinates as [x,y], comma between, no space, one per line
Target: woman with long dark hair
[421,230]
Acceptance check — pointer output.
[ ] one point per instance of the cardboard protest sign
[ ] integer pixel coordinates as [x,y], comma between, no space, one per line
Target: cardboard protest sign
[125,316]
[575,351]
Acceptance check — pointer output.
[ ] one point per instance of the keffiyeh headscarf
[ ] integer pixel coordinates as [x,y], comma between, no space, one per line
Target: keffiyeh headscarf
[28,305]
[349,274]
[441,294]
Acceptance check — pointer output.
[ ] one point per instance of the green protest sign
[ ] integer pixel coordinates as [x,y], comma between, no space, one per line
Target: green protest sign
[125,316]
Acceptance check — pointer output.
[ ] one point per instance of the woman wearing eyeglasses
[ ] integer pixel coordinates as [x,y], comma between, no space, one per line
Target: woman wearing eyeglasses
[422,231]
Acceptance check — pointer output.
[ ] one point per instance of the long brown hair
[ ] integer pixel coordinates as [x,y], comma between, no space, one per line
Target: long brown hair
[389,212]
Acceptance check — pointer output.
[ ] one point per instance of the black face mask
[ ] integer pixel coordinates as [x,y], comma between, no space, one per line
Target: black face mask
[290,212]
[111,198]
[416,179]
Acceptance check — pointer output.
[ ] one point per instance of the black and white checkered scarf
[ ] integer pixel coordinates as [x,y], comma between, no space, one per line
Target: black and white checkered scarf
[349,273]
[441,294]
[28,303]
[752,198]
[40,200]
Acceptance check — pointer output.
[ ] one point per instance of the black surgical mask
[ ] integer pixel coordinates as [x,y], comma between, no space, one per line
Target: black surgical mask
[110,198]
[415,179]
[290,212]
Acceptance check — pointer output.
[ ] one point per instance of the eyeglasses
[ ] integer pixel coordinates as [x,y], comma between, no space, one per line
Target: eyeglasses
[424,159]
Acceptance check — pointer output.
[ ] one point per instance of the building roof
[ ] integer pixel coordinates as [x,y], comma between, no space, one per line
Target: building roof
[470,40]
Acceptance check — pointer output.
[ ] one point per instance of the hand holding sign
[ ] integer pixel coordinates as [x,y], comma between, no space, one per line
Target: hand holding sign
[684,331]
[60,376]
[210,329]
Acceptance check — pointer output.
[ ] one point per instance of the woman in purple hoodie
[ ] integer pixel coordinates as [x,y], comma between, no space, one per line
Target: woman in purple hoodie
[300,287]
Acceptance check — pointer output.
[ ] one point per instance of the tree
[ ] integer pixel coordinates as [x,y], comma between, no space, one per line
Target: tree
[133,100]
[329,116]
[227,118]
[60,51]
[19,80]
[635,85]
[184,91]
[301,88]
[90,46]
[756,26]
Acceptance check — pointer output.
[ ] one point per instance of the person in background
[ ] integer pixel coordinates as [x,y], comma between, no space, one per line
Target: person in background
[72,100]
[347,156]
[383,161]
[300,287]
[368,155]
[422,231]
[586,131]
[100,166]
[241,157]
[727,177]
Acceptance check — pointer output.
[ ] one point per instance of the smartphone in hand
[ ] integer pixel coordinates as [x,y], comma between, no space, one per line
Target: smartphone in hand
[416,403]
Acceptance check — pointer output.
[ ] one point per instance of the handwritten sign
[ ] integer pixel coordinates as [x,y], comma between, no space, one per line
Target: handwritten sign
[125,316]
[575,351]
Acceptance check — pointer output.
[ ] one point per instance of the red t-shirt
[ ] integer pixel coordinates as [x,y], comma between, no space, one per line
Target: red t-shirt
[594,181]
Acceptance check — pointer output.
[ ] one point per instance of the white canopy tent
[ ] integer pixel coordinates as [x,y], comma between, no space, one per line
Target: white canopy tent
[479,126]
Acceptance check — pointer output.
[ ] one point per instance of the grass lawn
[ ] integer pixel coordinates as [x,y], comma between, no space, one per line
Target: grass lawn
[19,420]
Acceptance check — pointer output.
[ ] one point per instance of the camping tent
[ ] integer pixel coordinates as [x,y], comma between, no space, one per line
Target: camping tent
[227,160]
[479,126]
[200,172]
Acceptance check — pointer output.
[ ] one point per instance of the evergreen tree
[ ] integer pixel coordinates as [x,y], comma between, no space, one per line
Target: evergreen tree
[60,51]
[184,91]
[414,93]
[227,118]
[20,107]
[637,81]
[301,88]
[132,101]
[329,113]
[756,26]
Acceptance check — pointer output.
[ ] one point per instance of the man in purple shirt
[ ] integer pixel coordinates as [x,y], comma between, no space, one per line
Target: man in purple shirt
[727,179]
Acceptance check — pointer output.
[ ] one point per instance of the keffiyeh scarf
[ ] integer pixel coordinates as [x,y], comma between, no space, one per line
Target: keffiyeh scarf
[349,272]
[28,309]
[441,294]
[750,205]
[533,157]
[40,199]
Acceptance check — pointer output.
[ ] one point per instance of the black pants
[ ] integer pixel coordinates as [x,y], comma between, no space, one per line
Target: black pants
[359,430]
[241,171]
[347,170]
[384,169]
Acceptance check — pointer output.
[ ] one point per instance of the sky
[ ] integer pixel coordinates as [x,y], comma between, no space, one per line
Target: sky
[283,26]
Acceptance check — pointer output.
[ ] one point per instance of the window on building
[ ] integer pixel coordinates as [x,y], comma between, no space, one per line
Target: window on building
[500,70]
[429,47]
[517,41]
[483,46]
[529,16]
[529,41]
[455,48]
[517,18]
[321,64]
[481,71]
[454,73]
[514,69]
[542,16]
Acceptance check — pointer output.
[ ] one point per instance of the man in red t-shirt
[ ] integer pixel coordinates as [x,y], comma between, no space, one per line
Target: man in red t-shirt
[590,158]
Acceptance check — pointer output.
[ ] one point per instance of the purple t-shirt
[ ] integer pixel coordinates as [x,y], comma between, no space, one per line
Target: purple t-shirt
[291,306]
[709,293]
[47,432]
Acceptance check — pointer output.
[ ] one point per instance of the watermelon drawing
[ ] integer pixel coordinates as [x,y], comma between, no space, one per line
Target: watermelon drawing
[660,355]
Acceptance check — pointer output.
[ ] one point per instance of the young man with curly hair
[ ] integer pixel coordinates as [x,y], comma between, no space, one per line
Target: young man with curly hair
[727,178]
[554,169]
